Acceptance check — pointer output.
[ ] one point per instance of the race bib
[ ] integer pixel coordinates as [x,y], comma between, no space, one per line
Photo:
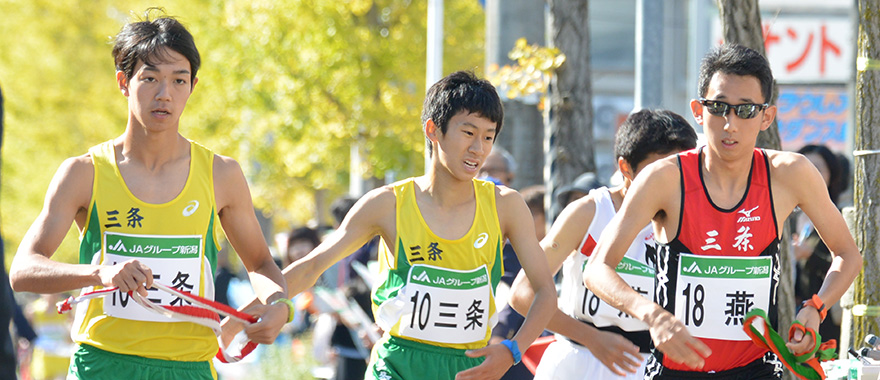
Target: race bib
[445,305]
[592,309]
[714,293]
[174,260]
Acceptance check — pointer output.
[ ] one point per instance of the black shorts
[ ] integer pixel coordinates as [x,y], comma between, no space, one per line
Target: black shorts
[766,368]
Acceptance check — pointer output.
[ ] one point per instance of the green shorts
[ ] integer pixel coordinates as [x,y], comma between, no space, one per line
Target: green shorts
[396,358]
[92,363]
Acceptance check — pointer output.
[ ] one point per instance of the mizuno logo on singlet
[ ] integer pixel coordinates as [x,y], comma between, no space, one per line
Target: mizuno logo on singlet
[422,277]
[481,240]
[191,208]
[748,215]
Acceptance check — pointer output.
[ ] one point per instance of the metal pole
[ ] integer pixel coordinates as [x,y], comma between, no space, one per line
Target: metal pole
[434,67]
[649,54]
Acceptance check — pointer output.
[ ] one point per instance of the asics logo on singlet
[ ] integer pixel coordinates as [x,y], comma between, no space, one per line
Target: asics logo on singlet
[191,208]
[748,215]
[481,240]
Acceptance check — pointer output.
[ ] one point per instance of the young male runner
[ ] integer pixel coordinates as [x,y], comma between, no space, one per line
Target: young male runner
[716,212]
[595,340]
[148,204]
[440,255]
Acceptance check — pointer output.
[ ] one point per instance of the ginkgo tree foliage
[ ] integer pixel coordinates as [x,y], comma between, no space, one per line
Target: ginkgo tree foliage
[285,87]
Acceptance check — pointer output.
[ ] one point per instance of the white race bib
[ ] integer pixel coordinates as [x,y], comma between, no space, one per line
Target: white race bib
[714,293]
[174,260]
[592,309]
[445,305]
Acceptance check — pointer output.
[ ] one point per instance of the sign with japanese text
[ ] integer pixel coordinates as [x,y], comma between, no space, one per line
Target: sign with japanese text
[807,49]
[813,115]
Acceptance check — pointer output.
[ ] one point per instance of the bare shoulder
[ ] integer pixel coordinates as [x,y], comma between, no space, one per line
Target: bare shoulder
[784,163]
[660,175]
[374,211]
[581,209]
[75,176]
[225,167]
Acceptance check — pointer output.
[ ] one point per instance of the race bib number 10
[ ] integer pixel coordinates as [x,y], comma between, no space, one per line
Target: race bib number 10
[714,293]
[174,260]
[446,306]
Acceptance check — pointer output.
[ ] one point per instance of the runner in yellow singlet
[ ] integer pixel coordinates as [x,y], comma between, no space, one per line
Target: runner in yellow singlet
[442,236]
[148,205]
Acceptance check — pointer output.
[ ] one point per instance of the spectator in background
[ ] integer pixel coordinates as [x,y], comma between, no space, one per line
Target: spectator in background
[579,188]
[53,348]
[500,167]
[352,352]
[813,257]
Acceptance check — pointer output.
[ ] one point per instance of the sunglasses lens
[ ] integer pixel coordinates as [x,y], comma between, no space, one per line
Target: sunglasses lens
[746,111]
[716,108]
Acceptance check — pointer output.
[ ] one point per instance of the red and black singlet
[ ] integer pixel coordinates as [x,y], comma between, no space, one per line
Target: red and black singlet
[721,264]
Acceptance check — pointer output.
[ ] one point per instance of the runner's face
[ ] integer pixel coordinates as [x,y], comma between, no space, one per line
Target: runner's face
[466,144]
[730,135]
[157,94]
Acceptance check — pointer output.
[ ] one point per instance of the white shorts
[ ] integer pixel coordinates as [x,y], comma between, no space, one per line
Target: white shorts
[566,360]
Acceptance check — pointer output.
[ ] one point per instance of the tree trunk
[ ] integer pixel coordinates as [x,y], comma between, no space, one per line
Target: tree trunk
[866,191]
[568,135]
[741,24]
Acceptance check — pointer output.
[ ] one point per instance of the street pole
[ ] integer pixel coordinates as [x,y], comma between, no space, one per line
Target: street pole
[434,67]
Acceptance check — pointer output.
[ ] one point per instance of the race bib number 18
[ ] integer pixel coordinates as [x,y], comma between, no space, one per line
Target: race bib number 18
[714,293]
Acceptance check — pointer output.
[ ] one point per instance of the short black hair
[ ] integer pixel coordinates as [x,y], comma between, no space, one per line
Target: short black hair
[462,91]
[340,207]
[838,168]
[738,60]
[303,233]
[652,131]
[145,40]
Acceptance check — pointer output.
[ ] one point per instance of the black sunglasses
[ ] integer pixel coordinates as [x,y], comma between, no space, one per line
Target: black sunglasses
[744,111]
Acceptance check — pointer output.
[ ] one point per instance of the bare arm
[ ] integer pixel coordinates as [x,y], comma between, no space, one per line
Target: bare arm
[368,217]
[562,241]
[646,198]
[800,183]
[236,212]
[516,224]
[67,200]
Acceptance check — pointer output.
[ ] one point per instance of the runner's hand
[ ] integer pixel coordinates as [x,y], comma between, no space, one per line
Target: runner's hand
[617,353]
[498,361]
[672,338]
[229,328]
[800,342]
[128,276]
[272,318]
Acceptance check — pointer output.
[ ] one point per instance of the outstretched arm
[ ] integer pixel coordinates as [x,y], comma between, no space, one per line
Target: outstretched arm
[563,240]
[368,217]
[516,224]
[645,199]
[804,185]
[236,212]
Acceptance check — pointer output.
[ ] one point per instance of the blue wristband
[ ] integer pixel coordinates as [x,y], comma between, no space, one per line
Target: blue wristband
[514,350]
